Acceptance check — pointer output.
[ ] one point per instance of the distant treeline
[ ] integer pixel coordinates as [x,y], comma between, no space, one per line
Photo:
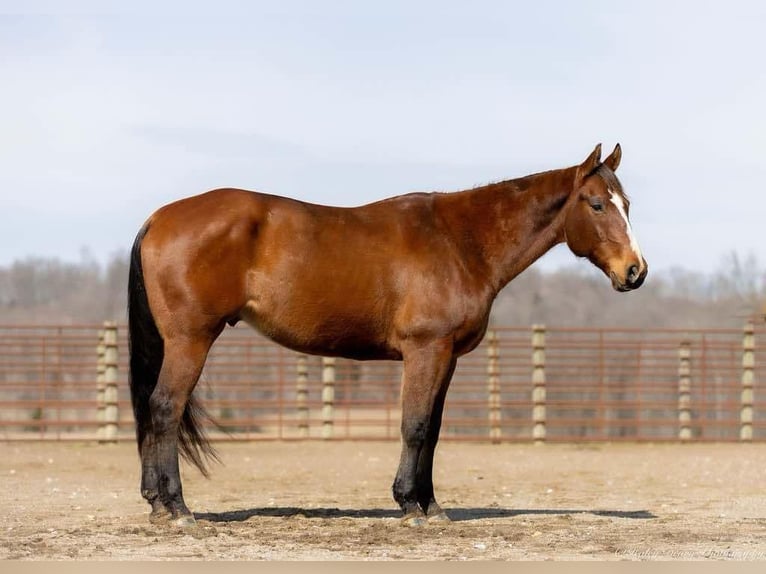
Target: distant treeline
[37,290]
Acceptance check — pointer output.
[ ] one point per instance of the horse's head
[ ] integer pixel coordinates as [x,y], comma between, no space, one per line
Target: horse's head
[597,224]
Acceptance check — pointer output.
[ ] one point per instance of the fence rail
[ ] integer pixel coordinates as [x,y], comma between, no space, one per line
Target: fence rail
[522,384]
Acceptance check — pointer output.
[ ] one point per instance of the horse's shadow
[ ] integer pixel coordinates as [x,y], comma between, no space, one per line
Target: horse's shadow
[455,514]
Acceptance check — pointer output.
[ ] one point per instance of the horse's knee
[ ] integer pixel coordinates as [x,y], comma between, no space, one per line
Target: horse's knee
[414,430]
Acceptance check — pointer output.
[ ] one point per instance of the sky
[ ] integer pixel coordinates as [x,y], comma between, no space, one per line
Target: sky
[109,110]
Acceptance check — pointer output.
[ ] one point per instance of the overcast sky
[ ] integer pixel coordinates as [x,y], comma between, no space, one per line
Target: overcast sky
[108,112]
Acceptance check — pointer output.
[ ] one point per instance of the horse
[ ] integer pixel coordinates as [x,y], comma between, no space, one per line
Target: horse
[411,278]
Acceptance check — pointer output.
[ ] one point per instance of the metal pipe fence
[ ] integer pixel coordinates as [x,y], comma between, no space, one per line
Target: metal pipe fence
[69,382]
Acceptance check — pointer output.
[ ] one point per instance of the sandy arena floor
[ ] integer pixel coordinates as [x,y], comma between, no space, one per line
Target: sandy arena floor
[331,501]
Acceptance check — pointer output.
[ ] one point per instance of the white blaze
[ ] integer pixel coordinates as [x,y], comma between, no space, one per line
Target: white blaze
[620,205]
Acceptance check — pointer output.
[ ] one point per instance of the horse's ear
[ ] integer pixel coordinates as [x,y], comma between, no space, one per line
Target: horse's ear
[588,166]
[613,161]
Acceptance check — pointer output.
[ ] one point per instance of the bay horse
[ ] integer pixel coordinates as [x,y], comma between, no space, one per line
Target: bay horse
[410,278]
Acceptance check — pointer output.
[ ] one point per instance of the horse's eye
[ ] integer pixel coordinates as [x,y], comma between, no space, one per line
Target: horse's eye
[597,206]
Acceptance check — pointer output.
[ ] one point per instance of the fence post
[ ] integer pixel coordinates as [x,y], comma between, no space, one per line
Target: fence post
[538,384]
[684,391]
[111,413]
[328,396]
[100,385]
[493,386]
[302,392]
[748,380]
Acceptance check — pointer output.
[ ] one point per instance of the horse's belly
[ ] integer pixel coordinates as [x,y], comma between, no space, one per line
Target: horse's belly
[326,334]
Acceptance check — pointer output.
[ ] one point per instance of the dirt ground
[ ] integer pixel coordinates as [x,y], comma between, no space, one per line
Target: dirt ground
[331,501]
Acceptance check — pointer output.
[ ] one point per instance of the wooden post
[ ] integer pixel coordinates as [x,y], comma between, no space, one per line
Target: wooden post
[111,413]
[538,384]
[493,386]
[748,380]
[684,391]
[100,386]
[302,391]
[328,396]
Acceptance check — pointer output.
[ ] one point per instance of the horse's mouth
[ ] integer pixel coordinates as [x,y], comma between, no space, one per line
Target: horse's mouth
[621,286]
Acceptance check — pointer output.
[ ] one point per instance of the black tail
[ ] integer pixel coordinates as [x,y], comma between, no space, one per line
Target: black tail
[146,349]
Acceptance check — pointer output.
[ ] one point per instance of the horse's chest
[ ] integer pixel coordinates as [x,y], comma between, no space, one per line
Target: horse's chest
[468,337]
[447,313]
[468,313]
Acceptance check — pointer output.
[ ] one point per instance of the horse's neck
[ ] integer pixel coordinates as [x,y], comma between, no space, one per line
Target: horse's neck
[515,222]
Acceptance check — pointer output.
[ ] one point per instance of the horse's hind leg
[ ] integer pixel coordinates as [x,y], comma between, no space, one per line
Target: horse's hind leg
[161,480]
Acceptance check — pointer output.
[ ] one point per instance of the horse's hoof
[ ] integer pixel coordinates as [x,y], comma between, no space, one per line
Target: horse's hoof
[439,518]
[187,521]
[414,520]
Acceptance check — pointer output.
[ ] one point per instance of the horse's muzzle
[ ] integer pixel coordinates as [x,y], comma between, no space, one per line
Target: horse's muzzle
[634,278]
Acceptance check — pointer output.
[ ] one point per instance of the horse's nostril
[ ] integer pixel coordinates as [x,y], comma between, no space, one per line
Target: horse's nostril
[632,274]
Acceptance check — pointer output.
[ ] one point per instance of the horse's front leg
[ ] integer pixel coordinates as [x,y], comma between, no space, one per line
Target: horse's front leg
[424,474]
[427,370]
